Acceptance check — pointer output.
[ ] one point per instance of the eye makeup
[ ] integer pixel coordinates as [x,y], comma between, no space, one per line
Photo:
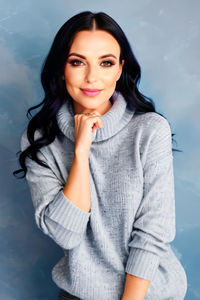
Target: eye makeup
[73,61]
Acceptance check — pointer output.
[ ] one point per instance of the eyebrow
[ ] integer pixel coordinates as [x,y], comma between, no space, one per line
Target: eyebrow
[103,56]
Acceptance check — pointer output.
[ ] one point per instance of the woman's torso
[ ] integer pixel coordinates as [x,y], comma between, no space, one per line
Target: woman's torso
[95,269]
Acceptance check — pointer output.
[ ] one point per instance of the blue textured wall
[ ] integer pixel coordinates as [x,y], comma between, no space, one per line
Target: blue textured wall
[165,37]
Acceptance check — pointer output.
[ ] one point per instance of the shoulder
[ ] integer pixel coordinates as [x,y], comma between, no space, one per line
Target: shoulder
[152,118]
[24,142]
[152,123]
[154,137]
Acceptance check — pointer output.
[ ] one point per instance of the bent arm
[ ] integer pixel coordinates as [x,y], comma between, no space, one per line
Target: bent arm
[55,214]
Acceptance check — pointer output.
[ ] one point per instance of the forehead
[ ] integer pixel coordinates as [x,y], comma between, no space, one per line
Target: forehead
[95,42]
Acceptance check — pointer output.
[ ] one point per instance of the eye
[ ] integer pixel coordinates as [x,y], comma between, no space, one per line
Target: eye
[109,62]
[74,61]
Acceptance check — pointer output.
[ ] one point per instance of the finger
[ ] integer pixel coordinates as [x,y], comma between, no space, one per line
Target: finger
[99,121]
[91,116]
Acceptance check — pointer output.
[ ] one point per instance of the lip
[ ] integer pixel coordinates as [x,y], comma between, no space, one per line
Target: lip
[91,92]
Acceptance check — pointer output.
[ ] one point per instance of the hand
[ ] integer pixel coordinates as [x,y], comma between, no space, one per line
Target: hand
[84,126]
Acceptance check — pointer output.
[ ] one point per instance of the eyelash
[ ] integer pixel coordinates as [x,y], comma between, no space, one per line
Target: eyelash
[77,60]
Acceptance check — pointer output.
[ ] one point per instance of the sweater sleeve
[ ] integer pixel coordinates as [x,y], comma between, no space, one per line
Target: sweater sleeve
[154,224]
[55,214]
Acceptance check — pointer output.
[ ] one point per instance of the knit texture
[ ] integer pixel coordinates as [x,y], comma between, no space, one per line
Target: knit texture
[132,218]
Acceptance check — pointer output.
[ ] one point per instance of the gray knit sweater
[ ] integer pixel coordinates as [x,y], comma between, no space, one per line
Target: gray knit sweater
[132,218]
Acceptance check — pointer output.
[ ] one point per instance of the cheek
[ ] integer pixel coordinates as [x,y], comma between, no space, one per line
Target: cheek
[72,76]
[110,77]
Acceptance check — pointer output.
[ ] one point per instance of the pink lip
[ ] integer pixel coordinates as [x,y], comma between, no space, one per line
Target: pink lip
[91,92]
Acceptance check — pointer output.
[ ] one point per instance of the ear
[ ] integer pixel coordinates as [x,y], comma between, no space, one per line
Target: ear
[120,69]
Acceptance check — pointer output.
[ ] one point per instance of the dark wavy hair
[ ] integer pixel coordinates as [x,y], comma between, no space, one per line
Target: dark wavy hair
[55,90]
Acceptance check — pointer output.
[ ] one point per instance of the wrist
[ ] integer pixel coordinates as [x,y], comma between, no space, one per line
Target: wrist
[128,297]
[81,155]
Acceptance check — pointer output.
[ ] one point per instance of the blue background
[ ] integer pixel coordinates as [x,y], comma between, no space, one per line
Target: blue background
[165,37]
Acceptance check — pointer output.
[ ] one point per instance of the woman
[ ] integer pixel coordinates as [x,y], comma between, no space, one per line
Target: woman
[99,165]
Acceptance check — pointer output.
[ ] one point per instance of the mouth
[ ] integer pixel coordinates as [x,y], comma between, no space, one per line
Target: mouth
[91,92]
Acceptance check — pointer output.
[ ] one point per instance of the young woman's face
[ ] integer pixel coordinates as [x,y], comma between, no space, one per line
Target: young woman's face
[86,69]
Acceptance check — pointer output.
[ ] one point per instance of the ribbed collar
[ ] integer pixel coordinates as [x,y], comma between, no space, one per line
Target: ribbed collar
[114,119]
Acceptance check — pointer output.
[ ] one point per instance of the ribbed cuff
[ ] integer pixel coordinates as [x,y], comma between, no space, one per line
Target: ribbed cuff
[142,263]
[67,214]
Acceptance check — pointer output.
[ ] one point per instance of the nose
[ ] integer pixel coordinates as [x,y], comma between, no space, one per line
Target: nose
[91,74]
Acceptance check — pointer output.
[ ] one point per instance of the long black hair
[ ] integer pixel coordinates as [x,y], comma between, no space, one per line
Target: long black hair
[54,86]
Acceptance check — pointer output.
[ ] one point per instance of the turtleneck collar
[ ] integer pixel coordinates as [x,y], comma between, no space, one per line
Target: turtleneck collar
[114,119]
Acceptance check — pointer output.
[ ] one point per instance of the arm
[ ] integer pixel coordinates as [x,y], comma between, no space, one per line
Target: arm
[77,187]
[154,224]
[59,217]
[135,288]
